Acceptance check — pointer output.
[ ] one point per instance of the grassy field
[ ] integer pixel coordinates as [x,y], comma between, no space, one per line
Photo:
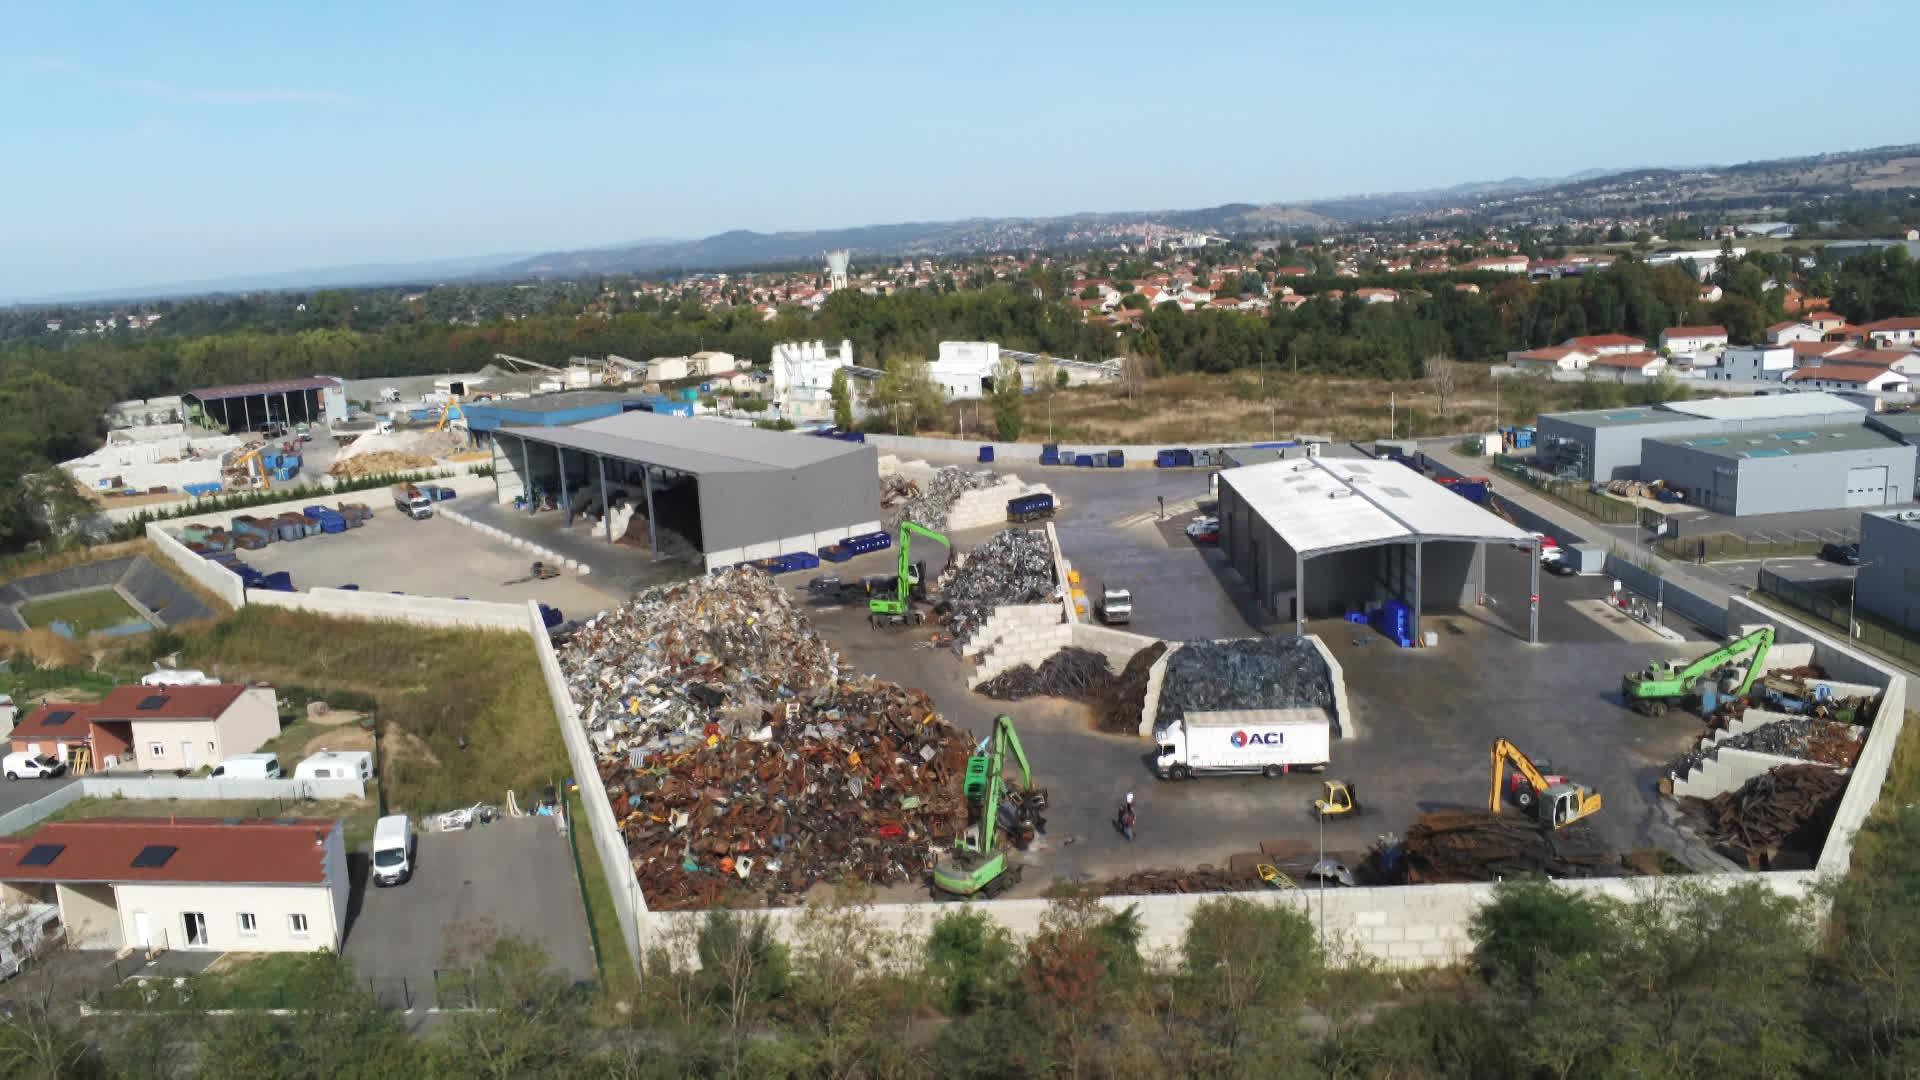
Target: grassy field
[463,715]
[359,813]
[1245,406]
[84,612]
[618,981]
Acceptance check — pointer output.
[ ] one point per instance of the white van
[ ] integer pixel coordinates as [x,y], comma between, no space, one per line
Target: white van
[336,765]
[392,850]
[249,767]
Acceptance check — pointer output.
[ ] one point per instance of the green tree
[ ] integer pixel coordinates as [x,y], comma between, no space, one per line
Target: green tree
[906,394]
[842,396]
[1244,965]
[1008,400]
[526,1015]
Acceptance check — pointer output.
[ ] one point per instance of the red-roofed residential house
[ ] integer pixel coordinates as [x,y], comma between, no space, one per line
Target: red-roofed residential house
[1886,332]
[1900,360]
[1788,332]
[1693,338]
[155,727]
[1549,360]
[1606,344]
[1855,377]
[1826,320]
[260,885]
[1625,366]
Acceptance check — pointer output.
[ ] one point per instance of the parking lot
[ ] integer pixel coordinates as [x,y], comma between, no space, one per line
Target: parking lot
[513,877]
[433,557]
[1424,719]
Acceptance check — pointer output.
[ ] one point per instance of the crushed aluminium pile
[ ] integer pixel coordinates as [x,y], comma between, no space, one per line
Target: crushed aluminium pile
[936,497]
[1254,673]
[739,756]
[1012,567]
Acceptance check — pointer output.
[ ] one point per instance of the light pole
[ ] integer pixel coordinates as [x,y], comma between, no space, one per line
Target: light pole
[1853,590]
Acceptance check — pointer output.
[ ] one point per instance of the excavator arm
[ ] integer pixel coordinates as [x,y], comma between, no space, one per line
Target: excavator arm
[1505,753]
[903,578]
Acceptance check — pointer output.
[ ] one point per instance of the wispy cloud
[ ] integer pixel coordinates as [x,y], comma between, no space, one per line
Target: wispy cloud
[191,95]
[259,96]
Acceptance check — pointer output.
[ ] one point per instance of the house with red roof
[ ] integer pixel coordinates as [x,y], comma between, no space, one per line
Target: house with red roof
[1376,296]
[1688,339]
[1627,366]
[1786,333]
[1900,360]
[1605,344]
[1549,360]
[1826,320]
[153,727]
[1904,333]
[218,884]
[1856,378]
[1500,264]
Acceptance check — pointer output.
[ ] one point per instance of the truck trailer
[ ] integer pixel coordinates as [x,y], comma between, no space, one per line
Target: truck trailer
[1272,742]
[411,501]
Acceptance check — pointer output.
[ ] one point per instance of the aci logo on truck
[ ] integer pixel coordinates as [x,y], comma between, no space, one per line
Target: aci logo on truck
[1241,740]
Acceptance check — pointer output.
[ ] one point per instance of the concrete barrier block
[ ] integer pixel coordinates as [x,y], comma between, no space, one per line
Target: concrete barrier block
[584,570]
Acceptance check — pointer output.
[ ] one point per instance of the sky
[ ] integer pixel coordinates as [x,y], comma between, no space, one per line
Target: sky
[151,144]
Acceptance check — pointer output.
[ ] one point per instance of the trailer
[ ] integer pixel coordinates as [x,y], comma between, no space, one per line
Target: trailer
[1271,742]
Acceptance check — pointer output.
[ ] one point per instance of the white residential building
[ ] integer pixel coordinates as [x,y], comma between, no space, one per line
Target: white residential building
[1758,362]
[1693,339]
[964,369]
[1787,333]
[1855,378]
[1893,333]
[802,377]
[1549,360]
[219,885]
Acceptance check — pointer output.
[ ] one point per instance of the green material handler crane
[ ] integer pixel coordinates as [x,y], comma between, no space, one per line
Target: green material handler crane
[1665,682]
[979,865]
[898,608]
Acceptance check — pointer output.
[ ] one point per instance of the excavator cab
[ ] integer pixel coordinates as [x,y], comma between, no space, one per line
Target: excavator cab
[1338,798]
[1563,804]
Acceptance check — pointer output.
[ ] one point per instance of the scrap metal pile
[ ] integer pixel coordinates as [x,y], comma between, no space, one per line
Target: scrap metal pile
[1822,741]
[1255,673]
[1472,845]
[1012,567]
[929,503]
[1085,676]
[1202,879]
[1789,807]
[740,757]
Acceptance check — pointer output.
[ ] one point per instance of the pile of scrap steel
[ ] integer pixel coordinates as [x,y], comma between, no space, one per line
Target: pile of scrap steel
[1012,567]
[1825,742]
[929,502]
[1789,808]
[741,759]
[1473,845]
[1085,676]
[1203,879]
[894,488]
[1254,673]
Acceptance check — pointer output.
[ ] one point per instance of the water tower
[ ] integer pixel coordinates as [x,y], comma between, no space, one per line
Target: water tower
[837,269]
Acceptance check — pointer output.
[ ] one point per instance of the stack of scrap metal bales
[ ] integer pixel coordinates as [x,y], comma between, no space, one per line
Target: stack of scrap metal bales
[743,761]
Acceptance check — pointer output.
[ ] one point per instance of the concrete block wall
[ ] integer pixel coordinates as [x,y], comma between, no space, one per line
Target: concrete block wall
[547,555]
[988,506]
[1156,682]
[629,903]
[1030,645]
[1007,621]
[1118,646]
[217,579]
[418,610]
[1726,771]
[1677,600]
[1345,725]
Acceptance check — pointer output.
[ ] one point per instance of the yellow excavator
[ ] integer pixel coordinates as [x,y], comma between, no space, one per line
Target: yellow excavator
[1555,803]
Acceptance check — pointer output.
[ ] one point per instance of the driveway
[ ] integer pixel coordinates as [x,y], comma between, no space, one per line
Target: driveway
[513,877]
[15,794]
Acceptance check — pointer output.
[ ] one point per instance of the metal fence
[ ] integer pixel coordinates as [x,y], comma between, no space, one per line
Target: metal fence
[1834,611]
[1579,496]
[1720,547]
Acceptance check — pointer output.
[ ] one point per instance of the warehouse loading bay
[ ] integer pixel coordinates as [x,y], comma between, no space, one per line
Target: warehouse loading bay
[1424,719]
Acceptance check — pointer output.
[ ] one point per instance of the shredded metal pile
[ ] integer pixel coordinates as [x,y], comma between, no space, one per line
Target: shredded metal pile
[1791,806]
[1471,845]
[1012,567]
[740,757]
[1074,674]
[1256,673]
[1823,741]
[930,502]
[1118,705]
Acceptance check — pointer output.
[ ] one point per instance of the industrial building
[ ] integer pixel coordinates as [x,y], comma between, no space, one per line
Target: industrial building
[1784,470]
[258,406]
[1888,584]
[548,410]
[732,492]
[1321,536]
[1605,444]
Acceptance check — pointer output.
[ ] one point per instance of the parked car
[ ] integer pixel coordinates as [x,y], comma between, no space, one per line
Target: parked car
[1558,567]
[392,850]
[1204,531]
[31,766]
[1547,543]
[249,767]
[1844,554]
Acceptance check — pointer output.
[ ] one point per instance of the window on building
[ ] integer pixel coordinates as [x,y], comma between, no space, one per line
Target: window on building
[209,746]
[298,924]
[249,924]
[156,750]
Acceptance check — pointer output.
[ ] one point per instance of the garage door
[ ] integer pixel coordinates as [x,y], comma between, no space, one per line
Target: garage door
[1867,486]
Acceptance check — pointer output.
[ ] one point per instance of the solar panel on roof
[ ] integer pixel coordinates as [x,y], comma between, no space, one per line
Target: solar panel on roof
[1706,442]
[42,854]
[54,719]
[1793,436]
[155,701]
[153,855]
[1771,451]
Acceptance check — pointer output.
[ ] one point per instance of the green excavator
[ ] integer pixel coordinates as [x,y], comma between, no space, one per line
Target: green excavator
[998,817]
[1665,683]
[897,609]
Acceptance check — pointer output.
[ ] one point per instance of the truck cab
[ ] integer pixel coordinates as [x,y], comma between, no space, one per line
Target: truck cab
[1116,607]
[412,501]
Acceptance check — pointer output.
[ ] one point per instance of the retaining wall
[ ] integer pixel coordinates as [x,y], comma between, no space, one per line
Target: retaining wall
[1156,682]
[418,610]
[629,904]
[1727,770]
[21,817]
[1016,634]
[109,786]
[217,579]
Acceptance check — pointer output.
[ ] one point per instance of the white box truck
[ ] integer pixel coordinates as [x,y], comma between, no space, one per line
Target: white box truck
[1272,742]
[411,501]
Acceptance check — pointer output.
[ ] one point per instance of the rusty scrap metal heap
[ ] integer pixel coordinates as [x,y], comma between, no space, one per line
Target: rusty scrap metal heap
[1471,845]
[1790,806]
[929,503]
[1012,567]
[739,756]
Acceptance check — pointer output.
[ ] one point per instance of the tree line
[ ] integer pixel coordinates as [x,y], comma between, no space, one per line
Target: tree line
[1693,979]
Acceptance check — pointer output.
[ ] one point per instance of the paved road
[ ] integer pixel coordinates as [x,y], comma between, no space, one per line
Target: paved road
[17,793]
